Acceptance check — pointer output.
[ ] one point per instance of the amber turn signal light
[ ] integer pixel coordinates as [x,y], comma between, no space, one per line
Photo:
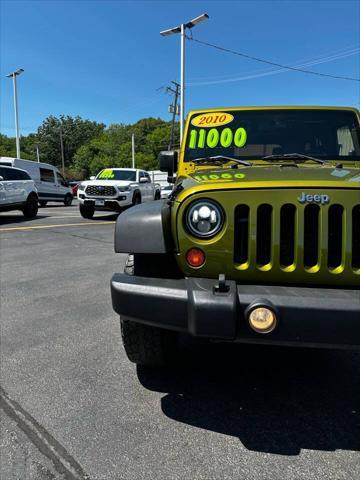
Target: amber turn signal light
[195,257]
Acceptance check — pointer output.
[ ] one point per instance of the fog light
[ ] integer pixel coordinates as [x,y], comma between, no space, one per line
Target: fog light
[195,257]
[262,320]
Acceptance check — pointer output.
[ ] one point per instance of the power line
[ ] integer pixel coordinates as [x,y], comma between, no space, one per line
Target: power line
[268,62]
[265,73]
[300,63]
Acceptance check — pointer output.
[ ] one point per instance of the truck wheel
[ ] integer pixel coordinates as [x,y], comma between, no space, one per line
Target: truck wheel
[68,200]
[157,195]
[136,199]
[87,211]
[43,203]
[146,345]
[30,208]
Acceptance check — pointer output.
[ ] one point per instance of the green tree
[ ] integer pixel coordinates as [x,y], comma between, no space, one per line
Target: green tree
[27,146]
[89,147]
[75,133]
[7,146]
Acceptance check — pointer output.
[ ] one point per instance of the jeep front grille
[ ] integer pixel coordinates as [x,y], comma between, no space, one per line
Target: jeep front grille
[356,237]
[100,191]
[291,237]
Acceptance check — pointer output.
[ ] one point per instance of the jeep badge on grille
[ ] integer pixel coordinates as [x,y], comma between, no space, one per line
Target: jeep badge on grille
[307,198]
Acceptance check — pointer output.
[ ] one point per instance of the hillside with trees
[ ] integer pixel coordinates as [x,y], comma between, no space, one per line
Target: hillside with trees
[90,146]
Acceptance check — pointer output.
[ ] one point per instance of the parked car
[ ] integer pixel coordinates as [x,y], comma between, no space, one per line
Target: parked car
[18,192]
[74,187]
[115,188]
[166,190]
[50,184]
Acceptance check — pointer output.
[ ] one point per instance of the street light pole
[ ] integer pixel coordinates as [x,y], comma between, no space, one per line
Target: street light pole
[182,82]
[62,151]
[37,153]
[181,29]
[133,150]
[13,75]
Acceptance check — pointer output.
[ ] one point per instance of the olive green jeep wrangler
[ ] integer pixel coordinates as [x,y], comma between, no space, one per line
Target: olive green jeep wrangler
[259,241]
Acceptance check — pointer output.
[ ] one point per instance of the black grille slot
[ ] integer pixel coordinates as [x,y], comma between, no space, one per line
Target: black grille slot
[335,235]
[263,234]
[356,237]
[287,234]
[311,235]
[241,237]
[100,190]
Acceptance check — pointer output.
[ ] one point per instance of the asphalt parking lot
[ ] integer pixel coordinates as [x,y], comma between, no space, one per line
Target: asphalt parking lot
[73,407]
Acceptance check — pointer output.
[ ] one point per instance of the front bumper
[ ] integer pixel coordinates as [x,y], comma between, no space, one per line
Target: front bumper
[107,203]
[306,316]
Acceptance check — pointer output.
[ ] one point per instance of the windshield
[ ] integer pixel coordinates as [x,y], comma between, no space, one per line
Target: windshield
[112,174]
[250,135]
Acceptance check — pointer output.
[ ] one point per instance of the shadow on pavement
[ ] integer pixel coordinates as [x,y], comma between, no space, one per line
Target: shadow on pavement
[10,219]
[107,217]
[274,400]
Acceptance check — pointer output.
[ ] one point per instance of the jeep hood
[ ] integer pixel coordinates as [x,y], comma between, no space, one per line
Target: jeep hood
[272,176]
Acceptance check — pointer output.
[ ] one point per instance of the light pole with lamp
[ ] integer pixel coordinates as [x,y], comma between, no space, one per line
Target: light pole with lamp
[181,29]
[13,75]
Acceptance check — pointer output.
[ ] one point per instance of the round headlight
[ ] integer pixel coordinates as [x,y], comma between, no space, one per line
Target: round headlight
[204,218]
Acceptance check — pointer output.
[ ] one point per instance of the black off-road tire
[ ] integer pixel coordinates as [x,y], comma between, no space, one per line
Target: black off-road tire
[68,200]
[146,345]
[87,211]
[31,206]
[136,199]
[43,203]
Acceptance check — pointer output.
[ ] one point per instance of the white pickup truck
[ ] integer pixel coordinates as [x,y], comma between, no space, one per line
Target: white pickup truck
[115,188]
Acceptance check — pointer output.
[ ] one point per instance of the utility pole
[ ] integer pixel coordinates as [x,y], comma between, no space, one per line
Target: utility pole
[182,29]
[13,75]
[133,150]
[173,110]
[62,152]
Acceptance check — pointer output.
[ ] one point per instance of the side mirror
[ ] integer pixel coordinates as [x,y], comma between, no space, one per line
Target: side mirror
[143,180]
[168,160]
[92,177]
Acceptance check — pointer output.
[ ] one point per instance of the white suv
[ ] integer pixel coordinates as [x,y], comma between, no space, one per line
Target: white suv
[115,188]
[18,192]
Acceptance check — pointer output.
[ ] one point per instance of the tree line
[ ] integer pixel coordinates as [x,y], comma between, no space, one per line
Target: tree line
[89,146]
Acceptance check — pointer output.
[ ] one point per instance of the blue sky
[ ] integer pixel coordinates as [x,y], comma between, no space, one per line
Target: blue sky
[105,60]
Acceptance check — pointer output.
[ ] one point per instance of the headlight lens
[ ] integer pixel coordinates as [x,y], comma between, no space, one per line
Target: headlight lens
[204,218]
[81,186]
[124,189]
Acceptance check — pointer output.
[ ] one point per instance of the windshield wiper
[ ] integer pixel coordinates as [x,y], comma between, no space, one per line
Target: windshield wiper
[220,159]
[293,156]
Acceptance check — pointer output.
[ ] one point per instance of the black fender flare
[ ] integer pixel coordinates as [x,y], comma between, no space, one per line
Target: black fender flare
[145,228]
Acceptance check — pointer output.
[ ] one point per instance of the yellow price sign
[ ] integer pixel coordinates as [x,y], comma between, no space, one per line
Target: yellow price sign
[107,173]
[208,120]
[214,139]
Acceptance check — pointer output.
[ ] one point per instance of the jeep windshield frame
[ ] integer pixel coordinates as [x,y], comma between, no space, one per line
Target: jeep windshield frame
[326,134]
